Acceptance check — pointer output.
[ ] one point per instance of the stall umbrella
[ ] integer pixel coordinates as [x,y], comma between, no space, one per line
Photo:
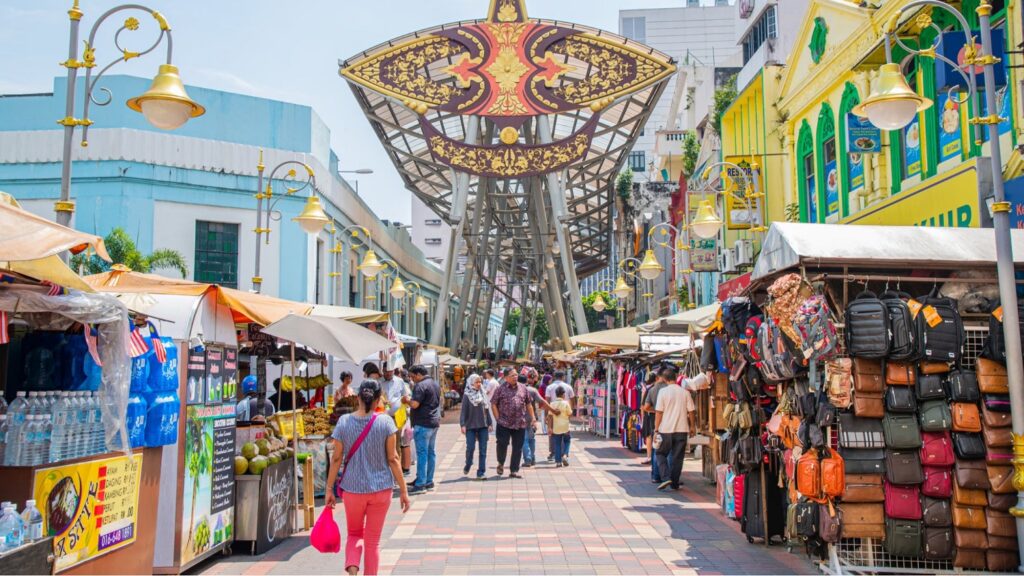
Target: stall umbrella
[339,338]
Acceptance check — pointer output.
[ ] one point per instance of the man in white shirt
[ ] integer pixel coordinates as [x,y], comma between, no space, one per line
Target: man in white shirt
[558,382]
[672,414]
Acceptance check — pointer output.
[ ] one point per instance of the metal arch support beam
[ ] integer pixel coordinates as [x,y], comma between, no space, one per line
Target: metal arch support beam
[458,213]
[553,300]
[559,210]
[508,308]
[492,272]
[458,325]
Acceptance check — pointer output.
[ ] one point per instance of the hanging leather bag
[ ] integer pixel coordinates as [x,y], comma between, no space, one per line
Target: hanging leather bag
[968,446]
[992,378]
[1000,561]
[869,405]
[903,467]
[963,386]
[1000,524]
[969,558]
[1002,502]
[938,482]
[902,502]
[997,437]
[937,449]
[971,474]
[968,517]
[970,538]
[867,375]
[900,400]
[903,538]
[931,387]
[863,520]
[901,432]
[993,419]
[900,373]
[1002,543]
[1001,479]
[969,497]
[864,488]
[966,417]
[938,543]
[935,416]
[830,525]
[933,367]
[936,512]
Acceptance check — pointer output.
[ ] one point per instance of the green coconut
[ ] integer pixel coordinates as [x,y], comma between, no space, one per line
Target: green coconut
[250,450]
[258,464]
[241,465]
[264,446]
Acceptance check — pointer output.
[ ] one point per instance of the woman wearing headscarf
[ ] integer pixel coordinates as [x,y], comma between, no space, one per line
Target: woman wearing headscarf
[475,419]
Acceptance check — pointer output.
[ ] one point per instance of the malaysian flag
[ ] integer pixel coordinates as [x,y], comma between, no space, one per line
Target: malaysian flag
[55,289]
[5,333]
[158,344]
[137,344]
[90,343]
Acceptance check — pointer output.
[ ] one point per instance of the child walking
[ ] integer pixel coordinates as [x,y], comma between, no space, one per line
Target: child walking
[560,428]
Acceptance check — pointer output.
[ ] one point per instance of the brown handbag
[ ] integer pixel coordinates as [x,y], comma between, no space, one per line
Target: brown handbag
[970,539]
[991,377]
[1001,479]
[993,419]
[1002,502]
[1002,543]
[868,405]
[1000,523]
[968,496]
[1003,561]
[971,474]
[933,368]
[998,437]
[972,559]
[900,374]
[863,520]
[966,417]
[968,517]
[867,376]
[863,488]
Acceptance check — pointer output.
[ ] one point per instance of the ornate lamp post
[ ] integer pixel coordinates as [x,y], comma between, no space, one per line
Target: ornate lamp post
[599,304]
[311,220]
[707,223]
[165,105]
[349,235]
[631,267]
[893,105]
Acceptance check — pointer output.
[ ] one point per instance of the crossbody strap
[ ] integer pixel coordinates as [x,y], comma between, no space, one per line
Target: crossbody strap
[356,445]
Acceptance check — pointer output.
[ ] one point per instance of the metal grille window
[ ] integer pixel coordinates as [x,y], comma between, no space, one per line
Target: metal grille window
[761,31]
[635,29]
[217,253]
[638,161]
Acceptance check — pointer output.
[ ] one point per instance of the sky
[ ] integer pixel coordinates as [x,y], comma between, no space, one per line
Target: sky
[284,50]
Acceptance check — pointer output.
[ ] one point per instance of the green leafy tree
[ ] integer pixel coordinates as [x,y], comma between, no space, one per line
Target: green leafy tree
[691,150]
[683,296]
[596,320]
[541,333]
[624,184]
[724,97]
[122,250]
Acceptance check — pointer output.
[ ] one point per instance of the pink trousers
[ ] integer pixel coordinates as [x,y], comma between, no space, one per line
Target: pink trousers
[364,515]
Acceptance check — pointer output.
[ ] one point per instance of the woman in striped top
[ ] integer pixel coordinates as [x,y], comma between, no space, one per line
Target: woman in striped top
[370,474]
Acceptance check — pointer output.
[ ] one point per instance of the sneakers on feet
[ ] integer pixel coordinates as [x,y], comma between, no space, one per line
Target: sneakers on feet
[429,486]
[465,470]
[514,475]
[551,457]
[414,490]
[565,460]
[558,464]
[664,484]
[500,469]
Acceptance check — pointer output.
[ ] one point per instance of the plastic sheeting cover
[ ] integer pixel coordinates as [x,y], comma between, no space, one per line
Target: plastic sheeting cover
[43,312]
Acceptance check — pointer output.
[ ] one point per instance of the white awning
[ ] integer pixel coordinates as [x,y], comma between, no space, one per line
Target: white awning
[696,320]
[788,245]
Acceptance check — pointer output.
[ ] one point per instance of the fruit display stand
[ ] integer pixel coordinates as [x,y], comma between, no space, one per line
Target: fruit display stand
[264,492]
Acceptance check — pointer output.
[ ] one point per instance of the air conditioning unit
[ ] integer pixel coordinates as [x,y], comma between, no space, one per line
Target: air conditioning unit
[727,261]
[744,252]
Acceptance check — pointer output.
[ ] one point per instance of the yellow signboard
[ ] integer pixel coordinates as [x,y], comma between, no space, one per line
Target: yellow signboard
[89,508]
[948,200]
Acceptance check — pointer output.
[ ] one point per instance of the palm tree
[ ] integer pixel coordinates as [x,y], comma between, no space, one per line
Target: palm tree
[123,251]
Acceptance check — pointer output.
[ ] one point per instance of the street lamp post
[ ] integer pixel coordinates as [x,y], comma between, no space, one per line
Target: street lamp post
[312,219]
[348,234]
[893,105]
[599,304]
[629,267]
[357,171]
[669,236]
[166,104]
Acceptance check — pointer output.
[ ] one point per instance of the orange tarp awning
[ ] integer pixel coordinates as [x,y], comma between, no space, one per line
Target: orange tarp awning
[265,310]
[30,237]
[119,279]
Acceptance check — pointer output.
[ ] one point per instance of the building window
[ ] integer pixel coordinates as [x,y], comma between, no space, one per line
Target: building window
[433,241]
[828,173]
[635,29]
[217,253]
[692,3]
[638,161]
[810,195]
[759,33]
[432,222]
[805,174]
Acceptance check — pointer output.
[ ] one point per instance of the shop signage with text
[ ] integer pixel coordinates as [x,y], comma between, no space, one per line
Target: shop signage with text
[948,200]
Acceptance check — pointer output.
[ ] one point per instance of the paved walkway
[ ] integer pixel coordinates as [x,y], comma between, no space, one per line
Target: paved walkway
[599,516]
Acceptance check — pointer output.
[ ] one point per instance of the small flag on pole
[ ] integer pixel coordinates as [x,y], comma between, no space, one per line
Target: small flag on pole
[158,349]
[90,343]
[55,289]
[5,334]
[137,344]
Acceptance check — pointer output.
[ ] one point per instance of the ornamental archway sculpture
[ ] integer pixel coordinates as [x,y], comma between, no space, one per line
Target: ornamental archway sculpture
[523,124]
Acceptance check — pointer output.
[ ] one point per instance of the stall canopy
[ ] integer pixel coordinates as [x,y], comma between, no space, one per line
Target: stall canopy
[449,360]
[339,338]
[788,245]
[696,320]
[357,315]
[627,337]
[31,243]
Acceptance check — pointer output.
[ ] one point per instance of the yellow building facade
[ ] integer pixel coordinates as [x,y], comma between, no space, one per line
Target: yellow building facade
[821,163]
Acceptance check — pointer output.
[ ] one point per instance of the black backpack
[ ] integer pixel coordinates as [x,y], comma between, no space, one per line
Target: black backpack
[995,344]
[867,327]
[907,342]
[736,311]
[944,338]
[807,519]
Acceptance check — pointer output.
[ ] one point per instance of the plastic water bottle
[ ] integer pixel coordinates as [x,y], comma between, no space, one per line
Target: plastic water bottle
[136,420]
[78,425]
[97,436]
[33,521]
[12,528]
[43,434]
[3,405]
[3,436]
[162,419]
[30,441]
[16,416]
[59,430]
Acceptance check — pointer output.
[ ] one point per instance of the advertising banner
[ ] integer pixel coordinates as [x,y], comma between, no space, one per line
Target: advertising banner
[912,147]
[703,255]
[89,508]
[948,200]
[208,500]
[950,127]
[831,189]
[862,136]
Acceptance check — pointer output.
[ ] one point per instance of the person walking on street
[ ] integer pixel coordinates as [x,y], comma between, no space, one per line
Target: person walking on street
[672,413]
[647,426]
[475,420]
[398,395]
[647,407]
[558,383]
[560,410]
[514,412]
[426,419]
[371,470]
[538,402]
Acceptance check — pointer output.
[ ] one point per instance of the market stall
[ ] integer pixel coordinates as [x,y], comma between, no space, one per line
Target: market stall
[67,375]
[864,375]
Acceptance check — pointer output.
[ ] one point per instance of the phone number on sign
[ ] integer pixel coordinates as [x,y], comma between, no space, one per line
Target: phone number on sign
[116,537]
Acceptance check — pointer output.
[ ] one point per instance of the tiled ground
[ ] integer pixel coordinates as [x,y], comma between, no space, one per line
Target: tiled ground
[599,516]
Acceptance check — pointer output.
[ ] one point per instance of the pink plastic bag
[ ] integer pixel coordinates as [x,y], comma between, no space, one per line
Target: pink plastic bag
[326,537]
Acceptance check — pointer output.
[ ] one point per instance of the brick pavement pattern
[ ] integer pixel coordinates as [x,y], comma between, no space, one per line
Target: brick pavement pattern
[601,515]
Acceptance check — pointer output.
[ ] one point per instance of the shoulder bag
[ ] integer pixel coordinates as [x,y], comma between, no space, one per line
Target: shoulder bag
[936,512]
[938,543]
[857,432]
[969,517]
[338,492]
[901,432]
[993,419]
[992,377]
[863,520]
[900,374]
[1002,502]
[903,537]
[931,387]
[969,446]
[903,467]
[903,502]
[935,416]
[867,375]
[938,482]
[900,400]
[864,488]
[971,474]
[1000,561]
[936,449]
[969,497]
[1000,524]
[963,386]
[966,417]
